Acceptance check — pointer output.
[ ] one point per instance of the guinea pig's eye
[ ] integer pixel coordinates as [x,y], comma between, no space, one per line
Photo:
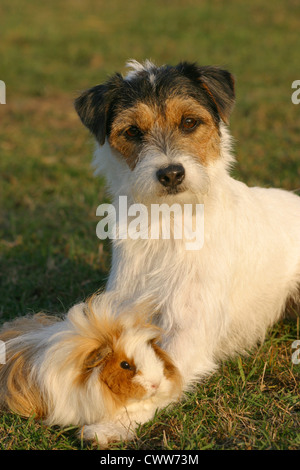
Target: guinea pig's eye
[125,365]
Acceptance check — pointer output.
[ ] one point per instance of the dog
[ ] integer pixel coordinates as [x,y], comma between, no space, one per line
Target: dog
[162,137]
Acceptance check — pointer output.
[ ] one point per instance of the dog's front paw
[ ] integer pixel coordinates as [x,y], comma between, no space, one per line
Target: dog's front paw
[104,433]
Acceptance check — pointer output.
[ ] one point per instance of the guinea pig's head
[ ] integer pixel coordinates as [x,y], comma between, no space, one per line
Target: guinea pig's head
[130,365]
[116,353]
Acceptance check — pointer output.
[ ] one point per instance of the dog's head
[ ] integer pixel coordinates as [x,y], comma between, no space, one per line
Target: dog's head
[163,125]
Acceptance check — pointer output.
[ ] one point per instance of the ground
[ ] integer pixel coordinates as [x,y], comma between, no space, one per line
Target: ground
[50,255]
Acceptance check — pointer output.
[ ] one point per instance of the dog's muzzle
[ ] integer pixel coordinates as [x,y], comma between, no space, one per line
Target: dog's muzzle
[171,176]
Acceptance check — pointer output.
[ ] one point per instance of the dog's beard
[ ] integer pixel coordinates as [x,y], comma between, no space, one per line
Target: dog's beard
[146,189]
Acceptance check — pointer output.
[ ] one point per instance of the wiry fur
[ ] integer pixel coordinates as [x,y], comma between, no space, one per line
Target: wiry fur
[68,371]
[222,299]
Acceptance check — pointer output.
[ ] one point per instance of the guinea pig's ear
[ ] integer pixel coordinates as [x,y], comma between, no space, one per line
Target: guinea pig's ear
[93,106]
[96,357]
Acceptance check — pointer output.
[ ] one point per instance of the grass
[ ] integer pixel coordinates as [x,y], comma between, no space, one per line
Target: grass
[49,253]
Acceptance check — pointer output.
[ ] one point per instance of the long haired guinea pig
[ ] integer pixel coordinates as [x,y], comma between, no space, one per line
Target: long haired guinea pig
[94,368]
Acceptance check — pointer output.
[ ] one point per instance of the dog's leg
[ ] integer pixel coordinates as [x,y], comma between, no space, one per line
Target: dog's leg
[192,352]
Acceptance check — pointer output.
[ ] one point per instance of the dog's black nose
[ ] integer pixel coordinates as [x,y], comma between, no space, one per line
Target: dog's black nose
[171,176]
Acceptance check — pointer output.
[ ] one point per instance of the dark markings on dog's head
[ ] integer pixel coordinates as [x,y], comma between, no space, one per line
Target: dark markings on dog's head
[217,84]
[211,87]
[93,106]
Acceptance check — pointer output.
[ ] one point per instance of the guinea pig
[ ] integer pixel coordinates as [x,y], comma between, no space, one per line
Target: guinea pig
[97,368]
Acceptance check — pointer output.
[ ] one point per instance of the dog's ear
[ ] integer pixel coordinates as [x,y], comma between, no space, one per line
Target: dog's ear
[93,106]
[216,83]
[219,84]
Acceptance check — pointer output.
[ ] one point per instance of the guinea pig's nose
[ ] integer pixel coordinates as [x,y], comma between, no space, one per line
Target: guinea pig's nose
[154,386]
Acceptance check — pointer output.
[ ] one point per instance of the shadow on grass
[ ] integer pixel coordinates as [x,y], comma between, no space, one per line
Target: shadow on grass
[33,283]
[51,261]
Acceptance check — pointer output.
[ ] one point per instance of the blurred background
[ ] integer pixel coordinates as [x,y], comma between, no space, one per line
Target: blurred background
[50,51]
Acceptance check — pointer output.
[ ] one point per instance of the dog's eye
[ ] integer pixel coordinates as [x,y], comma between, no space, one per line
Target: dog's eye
[125,365]
[188,124]
[133,132]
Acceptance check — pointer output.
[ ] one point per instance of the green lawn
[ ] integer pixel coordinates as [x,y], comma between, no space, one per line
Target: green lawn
[50,255]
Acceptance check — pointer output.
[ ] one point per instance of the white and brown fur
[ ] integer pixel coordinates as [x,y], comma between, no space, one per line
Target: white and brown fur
[162,137]
[95,369]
